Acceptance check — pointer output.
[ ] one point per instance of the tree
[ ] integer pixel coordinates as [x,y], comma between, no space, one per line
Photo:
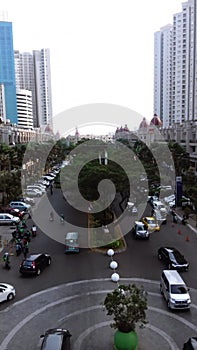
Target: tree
[127,304]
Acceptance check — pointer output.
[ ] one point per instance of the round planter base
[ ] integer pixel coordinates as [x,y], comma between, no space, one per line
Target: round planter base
[125,341]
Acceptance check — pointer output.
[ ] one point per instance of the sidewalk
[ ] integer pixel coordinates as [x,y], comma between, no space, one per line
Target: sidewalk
[191,222]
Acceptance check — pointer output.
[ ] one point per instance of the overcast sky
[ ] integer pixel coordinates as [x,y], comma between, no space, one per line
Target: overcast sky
[101,50]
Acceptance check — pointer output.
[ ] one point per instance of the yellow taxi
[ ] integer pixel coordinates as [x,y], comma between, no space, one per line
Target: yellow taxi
[150,224]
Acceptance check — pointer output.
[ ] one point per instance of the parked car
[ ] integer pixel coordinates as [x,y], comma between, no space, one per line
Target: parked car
[150,223]
[37,188]
[139,231]
[13,211]
[27,200]
[191,344]
[56,339]
[32,192]
[7,292]
[172,258]
[20,205]
[35,264]
[8,219]
[71,242]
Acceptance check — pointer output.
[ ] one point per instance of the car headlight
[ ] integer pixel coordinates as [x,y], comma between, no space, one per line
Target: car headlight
[189,301]
[172,300]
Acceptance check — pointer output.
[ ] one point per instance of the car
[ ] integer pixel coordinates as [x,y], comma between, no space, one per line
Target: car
[7,292]
[8,219]
[20,205]
[27,200]
[32,192]
[13,211]
[35,264]
[150,224]
[172,258]
[160,217]
[71,242]
[191,344]
[158,205]
[56,339]
[139,231]
[37,188]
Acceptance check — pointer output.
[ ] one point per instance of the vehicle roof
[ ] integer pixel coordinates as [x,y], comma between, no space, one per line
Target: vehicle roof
[33,256]
[139,223]
[72,235]
[173,277]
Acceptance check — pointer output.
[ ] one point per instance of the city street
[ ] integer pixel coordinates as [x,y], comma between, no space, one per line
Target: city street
[69,292]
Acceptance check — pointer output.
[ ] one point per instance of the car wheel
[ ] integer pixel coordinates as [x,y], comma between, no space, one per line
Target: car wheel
[159,256]
[10,296]
[38,272]
[49,262]
[161,290]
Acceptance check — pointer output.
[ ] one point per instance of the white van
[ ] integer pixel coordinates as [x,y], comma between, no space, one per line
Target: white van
[174,290]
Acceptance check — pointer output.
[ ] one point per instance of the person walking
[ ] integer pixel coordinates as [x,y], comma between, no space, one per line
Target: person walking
[51,188]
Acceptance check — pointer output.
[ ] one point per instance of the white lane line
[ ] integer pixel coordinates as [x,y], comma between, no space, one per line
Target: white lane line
[11,334]
[51,289]
[78,343]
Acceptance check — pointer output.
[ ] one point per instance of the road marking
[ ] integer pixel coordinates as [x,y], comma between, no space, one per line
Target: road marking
[27,319]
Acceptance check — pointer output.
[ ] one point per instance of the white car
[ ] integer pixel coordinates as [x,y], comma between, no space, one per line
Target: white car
[32,192]
[37,188]
[8,219]
[7,292]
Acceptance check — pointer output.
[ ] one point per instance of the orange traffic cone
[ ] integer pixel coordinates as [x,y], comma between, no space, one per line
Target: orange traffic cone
[187,238]
[179,231]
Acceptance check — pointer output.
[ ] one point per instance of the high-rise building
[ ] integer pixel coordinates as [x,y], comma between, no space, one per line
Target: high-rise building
[8,108]
[163,73]
[33,74]
[175,74]
[42,73]
[24,109]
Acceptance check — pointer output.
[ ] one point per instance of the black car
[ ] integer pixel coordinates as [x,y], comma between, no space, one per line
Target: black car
[34,264]
[56,339]
[173,258]
[191,344]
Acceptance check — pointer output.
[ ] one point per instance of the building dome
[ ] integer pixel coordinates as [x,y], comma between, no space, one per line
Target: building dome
[156,120]
[143,123]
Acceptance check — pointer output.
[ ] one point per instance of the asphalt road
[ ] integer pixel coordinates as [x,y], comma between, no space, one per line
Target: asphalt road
[138,260]
[69,292]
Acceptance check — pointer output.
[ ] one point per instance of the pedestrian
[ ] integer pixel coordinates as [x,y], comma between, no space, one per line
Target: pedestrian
[25,251]
[51,188]
[34,231]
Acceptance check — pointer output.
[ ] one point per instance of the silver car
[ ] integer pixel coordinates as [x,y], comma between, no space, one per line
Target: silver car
[8,219]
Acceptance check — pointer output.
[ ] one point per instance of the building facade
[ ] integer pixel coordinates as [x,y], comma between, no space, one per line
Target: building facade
[7,74]
[175,68]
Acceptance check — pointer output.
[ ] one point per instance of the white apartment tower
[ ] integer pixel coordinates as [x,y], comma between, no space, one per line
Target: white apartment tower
[32,72]
[163,73]
[43,87]
[175,94]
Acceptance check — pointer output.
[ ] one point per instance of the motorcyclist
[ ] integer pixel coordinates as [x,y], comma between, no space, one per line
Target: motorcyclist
[51,216]
[62,218]
[6,260]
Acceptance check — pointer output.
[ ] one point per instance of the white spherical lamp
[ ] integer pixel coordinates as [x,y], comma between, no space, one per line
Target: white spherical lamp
[115,277]
[113,265]
[110,252]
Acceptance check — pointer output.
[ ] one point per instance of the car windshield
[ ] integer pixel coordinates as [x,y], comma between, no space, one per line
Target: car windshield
[176,289]
[140,228]
[52,341]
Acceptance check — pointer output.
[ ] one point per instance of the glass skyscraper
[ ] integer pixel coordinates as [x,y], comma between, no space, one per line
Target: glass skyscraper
[7,72]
